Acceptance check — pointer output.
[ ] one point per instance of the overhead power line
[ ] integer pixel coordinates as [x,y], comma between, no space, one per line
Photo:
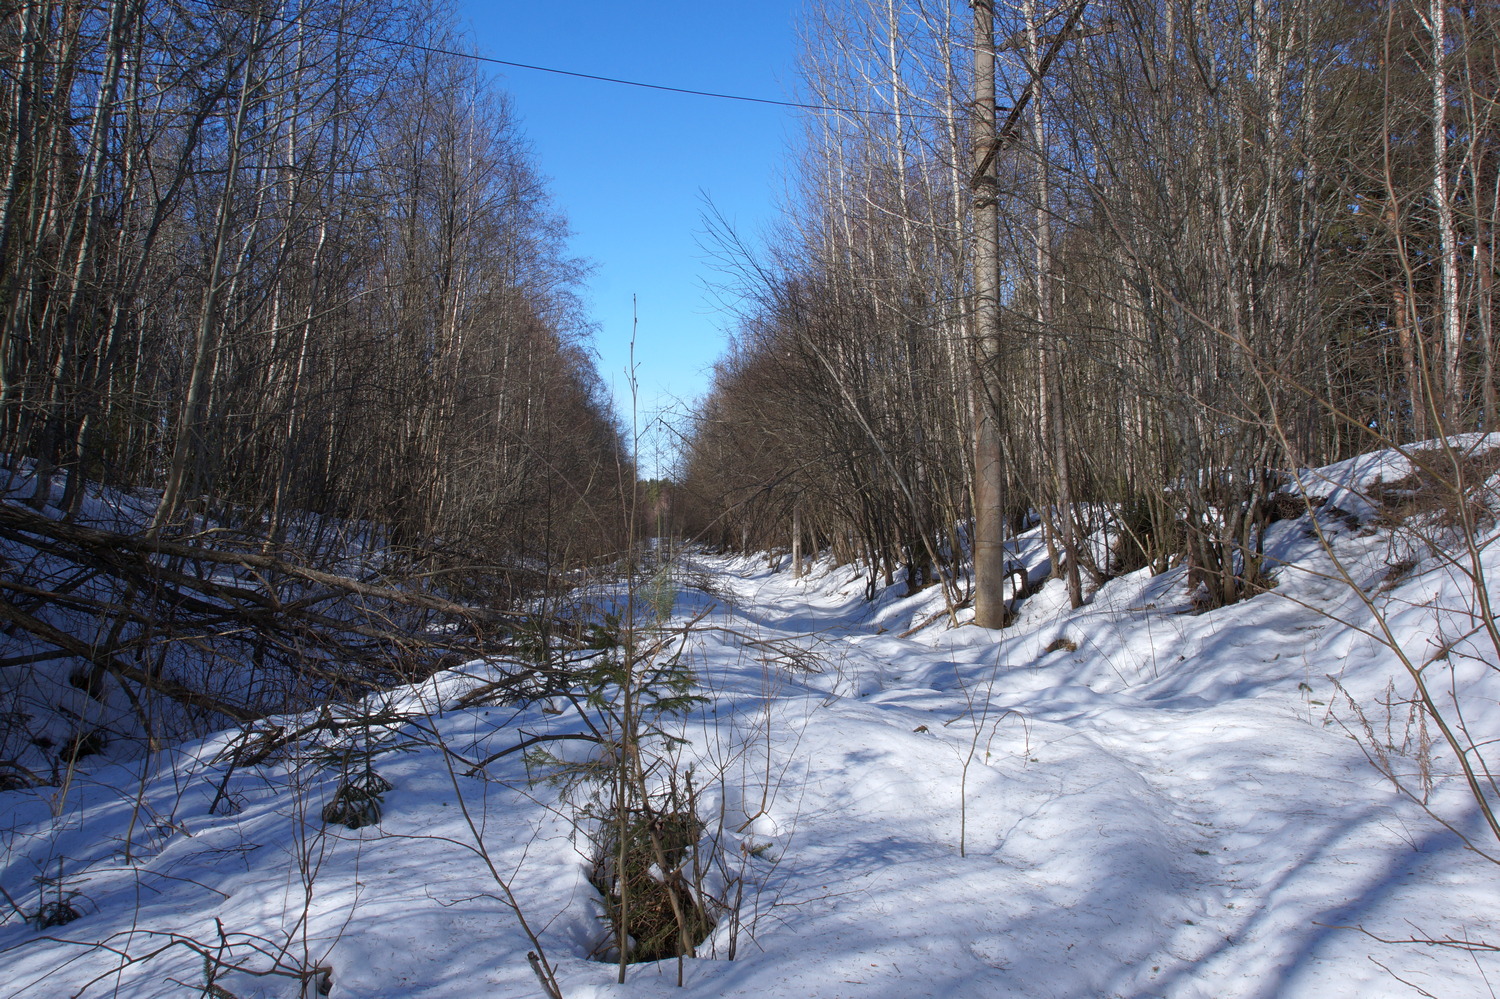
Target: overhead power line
[476,57]
[707,93]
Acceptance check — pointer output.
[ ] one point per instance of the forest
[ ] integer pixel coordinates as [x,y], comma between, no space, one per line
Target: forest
[289,276]
[1119,265]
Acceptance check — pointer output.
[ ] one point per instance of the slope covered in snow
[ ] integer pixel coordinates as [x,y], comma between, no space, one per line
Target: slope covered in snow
[1124,800]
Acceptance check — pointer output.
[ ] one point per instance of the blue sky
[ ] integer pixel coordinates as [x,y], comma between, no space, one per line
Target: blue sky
[631,167]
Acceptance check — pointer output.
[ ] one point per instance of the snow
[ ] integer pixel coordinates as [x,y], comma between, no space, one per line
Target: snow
[1346,484]
[1178,805]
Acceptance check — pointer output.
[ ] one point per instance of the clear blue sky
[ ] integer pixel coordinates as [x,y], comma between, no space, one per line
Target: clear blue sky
[631,168]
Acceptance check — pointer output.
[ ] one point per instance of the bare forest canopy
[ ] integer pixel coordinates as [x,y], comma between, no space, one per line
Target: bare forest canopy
[1195,242]
[283,280]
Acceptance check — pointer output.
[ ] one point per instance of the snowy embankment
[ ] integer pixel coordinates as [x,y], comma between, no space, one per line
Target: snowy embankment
[1126,800]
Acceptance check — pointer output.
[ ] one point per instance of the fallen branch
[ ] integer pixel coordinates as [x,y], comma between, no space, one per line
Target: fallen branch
[280,627]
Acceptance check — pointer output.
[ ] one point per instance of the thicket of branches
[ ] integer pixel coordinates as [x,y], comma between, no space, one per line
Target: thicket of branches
[288,276]
[1236,236]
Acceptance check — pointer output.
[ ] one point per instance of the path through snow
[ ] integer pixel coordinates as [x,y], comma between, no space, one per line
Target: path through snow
[1168,810]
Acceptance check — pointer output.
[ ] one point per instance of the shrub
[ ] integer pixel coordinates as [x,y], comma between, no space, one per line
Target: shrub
[643,868]
[357,802]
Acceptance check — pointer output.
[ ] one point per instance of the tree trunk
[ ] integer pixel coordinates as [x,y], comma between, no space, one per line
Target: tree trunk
[989,470]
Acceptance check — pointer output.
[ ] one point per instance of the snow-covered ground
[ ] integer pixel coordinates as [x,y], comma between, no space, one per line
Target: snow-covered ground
[1165,804]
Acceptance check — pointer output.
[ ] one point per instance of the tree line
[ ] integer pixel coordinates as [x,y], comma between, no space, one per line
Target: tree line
[1111,263]
[272,258]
